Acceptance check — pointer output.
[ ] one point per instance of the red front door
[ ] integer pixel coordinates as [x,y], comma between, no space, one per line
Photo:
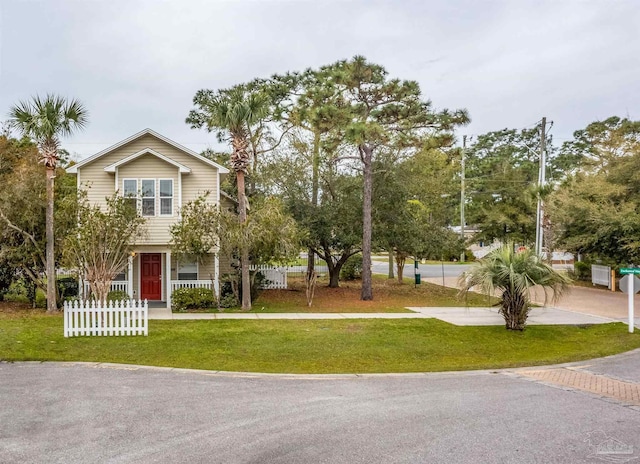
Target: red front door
[151,277]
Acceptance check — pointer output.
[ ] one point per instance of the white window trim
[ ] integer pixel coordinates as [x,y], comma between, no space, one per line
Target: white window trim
[155,197]
[173,196]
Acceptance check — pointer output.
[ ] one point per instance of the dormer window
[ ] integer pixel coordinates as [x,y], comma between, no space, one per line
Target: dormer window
[151,197]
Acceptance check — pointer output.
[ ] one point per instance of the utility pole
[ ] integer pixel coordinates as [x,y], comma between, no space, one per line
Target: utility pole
[462,198]
[542,177]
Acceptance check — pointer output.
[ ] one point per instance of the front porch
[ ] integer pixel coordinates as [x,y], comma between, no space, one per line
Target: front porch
[153,275]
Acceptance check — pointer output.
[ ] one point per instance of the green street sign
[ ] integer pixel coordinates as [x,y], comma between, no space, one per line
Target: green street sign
[629,270]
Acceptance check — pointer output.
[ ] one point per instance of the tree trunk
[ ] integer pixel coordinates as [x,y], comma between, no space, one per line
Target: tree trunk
[334,278]
[315,163]
[400,260]
[50,254]
[335,268]
[391,276]
[311,261]
[244,252]
[514,309]
[366,153]
[100,289]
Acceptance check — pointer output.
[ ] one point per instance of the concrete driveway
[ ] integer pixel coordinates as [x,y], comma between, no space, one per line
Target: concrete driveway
[84,413]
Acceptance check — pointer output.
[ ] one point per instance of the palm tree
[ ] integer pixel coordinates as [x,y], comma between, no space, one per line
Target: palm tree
[45,120]
[232,112]
[513,274]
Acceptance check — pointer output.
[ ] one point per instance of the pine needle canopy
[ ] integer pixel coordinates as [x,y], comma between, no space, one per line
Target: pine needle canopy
[45,120]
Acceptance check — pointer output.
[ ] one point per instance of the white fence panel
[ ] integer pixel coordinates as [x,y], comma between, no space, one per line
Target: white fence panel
[320,268]
[601,275]
[276,277]
[128,317]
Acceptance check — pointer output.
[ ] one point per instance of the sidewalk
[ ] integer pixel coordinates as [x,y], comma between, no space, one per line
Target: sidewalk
[461,316]
[162,313]
[578,306]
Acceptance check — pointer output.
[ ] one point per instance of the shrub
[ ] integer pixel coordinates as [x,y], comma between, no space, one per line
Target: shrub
[229,301]
[40,299]
[234,280]
[582,270]
[67,287]
[117,295]
[185,299]
[17,292]
[352,269]
[469,256]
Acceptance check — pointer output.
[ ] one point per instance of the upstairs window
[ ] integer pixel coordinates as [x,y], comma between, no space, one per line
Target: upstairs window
[166,197]
[148,193]
[130,191]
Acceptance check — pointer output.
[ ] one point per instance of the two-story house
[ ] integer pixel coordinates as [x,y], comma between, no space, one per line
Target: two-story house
[162,176]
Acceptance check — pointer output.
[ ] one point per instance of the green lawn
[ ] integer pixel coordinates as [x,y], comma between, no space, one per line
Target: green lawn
[330,346]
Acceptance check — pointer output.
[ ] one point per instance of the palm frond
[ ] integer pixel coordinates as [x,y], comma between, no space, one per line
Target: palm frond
[47,119]
[513,275]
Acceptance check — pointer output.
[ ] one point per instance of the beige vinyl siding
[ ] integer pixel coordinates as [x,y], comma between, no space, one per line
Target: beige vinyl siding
[225,265]
[206,269]
[97,183]
[202,178]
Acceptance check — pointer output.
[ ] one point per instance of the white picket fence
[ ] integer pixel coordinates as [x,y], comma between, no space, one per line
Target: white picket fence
[275,277]
[128,317]
[319,268]
[601,275]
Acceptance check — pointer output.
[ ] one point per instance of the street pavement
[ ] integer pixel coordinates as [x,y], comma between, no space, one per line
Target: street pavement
[97,413]
[105,413]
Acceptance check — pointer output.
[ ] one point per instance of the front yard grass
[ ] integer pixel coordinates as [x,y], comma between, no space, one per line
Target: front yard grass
[299,346]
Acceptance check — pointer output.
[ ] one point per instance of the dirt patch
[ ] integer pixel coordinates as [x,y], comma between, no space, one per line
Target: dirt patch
[389,296]
[13,309]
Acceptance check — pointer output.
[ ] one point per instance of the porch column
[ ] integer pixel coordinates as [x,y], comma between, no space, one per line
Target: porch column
[130,276]
[167,273]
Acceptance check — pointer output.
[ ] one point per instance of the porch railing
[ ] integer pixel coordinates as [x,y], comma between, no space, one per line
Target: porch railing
[116,286]
[176,284]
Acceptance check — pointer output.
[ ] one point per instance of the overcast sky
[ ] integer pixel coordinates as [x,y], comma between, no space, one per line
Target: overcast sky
[137,64]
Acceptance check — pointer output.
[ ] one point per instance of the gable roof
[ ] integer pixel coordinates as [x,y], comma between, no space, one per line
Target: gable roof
[74,169]
[145,151]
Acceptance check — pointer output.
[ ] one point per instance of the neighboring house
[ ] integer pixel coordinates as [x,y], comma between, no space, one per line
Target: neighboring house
[162,176]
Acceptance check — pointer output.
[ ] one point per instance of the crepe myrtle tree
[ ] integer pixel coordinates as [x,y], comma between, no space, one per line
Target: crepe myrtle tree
[100,246]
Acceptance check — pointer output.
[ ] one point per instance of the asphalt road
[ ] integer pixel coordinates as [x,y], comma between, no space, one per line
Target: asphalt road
[426,270]
[57,413]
